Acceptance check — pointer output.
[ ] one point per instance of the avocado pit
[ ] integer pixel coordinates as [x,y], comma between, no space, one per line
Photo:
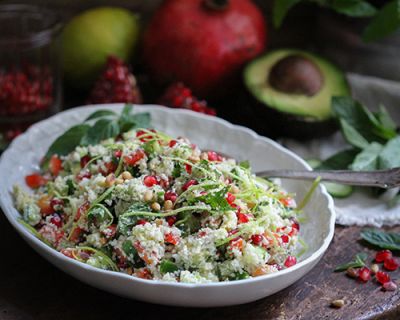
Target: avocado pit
[296,74]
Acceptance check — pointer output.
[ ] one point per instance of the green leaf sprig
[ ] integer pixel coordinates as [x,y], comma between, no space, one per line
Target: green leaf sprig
[382,239]
[100,125]
[357,262]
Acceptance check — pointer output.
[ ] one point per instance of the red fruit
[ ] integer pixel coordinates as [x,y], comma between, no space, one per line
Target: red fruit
[188,184]
[81,210]
[364,274]
[118,153]
[230,198]
[172,143]
[391,264]
[35,181]
[171,220]
[178,96]
[116,84]
[56,220]
[44,203]
[210,41]
[257,239]
[150,181]
[285,238]
[55,165]
[110,231]
[57,204]
[290,261]
[242,217]
[382,277]
[170,195]
[135,157]
[171,238]
[84,161]
[188,168]
[213,156]
[383,255]
[390,286]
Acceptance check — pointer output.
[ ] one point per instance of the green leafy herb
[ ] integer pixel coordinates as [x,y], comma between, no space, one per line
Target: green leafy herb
[368,158]
[357,262]
[127,222]
[239,276]
[390,154]
[353,8]
[216,200]
[382,239]
[107,125]
[168,266]
[245,164]
[281,8]
[340,161]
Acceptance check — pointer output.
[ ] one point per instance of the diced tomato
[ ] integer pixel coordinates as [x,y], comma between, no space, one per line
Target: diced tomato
[133,158]
[171,220]
[44,204]
[76,234]
[35,181]
[67,252]
[55,165]
[144,274]
[82,210]
[82,175]
[172,143]
[170,238]
[110,167]
[141,222]
[287,202]
[56,220]
[230,198]
[260,271]
[188,184]
[110,231]
[236,243]
[188,168]
[242,217]
[118,153]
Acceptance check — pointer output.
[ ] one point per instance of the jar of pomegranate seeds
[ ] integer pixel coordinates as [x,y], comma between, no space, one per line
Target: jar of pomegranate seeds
[30,76]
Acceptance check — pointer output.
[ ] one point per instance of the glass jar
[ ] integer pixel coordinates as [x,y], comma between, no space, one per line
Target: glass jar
[30,71]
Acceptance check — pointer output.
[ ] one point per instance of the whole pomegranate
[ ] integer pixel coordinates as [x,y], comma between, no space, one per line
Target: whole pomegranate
[203,43]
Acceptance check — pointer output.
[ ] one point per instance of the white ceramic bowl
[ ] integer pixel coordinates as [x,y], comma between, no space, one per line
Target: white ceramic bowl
[23,156]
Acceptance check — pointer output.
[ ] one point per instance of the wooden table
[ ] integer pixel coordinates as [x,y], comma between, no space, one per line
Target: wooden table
[31,288]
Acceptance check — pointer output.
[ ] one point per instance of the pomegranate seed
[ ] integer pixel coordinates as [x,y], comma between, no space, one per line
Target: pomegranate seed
[170,238]
[172,143]
[390,286]
[188,184]
[382,277]
[171,220]
[391,264]
[290,261]
[118,153]
[56,220]
[364,274]
[150,181]
[83,175]
[85,160]
[212,156]
[285,238]
[383,255]
[57,204]
[295,225]
[141,222]
[134,158]
[170,195]
[110,231]
[257,239]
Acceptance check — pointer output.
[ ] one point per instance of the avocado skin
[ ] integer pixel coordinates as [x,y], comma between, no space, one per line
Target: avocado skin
[275,122]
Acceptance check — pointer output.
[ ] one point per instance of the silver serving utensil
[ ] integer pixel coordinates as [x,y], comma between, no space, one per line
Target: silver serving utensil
[386,179]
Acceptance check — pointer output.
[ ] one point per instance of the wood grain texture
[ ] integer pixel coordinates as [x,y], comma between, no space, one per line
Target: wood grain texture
[31,288]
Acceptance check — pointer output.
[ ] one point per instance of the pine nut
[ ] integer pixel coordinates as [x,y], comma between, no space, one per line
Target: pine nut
[168,205]
[126,175]
[148,196]
[155,206]
[337,303]
[119,181]
[234,189]
[374,268]
[110,180]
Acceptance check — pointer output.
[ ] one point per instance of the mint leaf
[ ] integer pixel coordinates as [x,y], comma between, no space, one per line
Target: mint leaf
[352,135]
[386,120]
[357,262]
[168,266]
[368,158]
[384,23]
[128,121]
[390,155]
[101,114]
[382,239]
[68,141]
[102,129]
[354,8]
[340,161]
[280,10]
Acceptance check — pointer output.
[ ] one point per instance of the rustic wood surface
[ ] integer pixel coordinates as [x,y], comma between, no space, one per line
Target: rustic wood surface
[31,288]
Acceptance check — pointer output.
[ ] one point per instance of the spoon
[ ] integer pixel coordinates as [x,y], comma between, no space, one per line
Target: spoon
[386,179]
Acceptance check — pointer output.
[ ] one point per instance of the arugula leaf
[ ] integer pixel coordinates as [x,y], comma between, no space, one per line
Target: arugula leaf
[357,262]
[339,161]
[368,158]
[354,8]
[68,141]
[384,23]
[390,155]
[352,135]
[382,239]
[280,10]
[100,114]
[102,129]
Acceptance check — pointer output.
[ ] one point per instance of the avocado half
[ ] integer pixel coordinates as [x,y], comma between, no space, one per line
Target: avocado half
[291,91]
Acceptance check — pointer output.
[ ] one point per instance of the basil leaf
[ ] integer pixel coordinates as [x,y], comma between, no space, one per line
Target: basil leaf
[357,262]
[100,114]
[382,239]
[390,155]
[384,23]
[168,266]
[102,130]
[368,158]
[354,8]
[352,135]
[340,161]
[280,10]
[68,141]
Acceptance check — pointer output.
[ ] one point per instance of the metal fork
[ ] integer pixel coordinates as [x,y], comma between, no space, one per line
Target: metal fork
[386,179]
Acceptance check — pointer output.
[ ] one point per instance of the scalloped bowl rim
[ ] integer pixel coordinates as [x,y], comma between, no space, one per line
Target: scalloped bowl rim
[21,229]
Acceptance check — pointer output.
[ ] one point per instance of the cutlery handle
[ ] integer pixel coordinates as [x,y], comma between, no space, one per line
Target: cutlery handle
[380,178]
